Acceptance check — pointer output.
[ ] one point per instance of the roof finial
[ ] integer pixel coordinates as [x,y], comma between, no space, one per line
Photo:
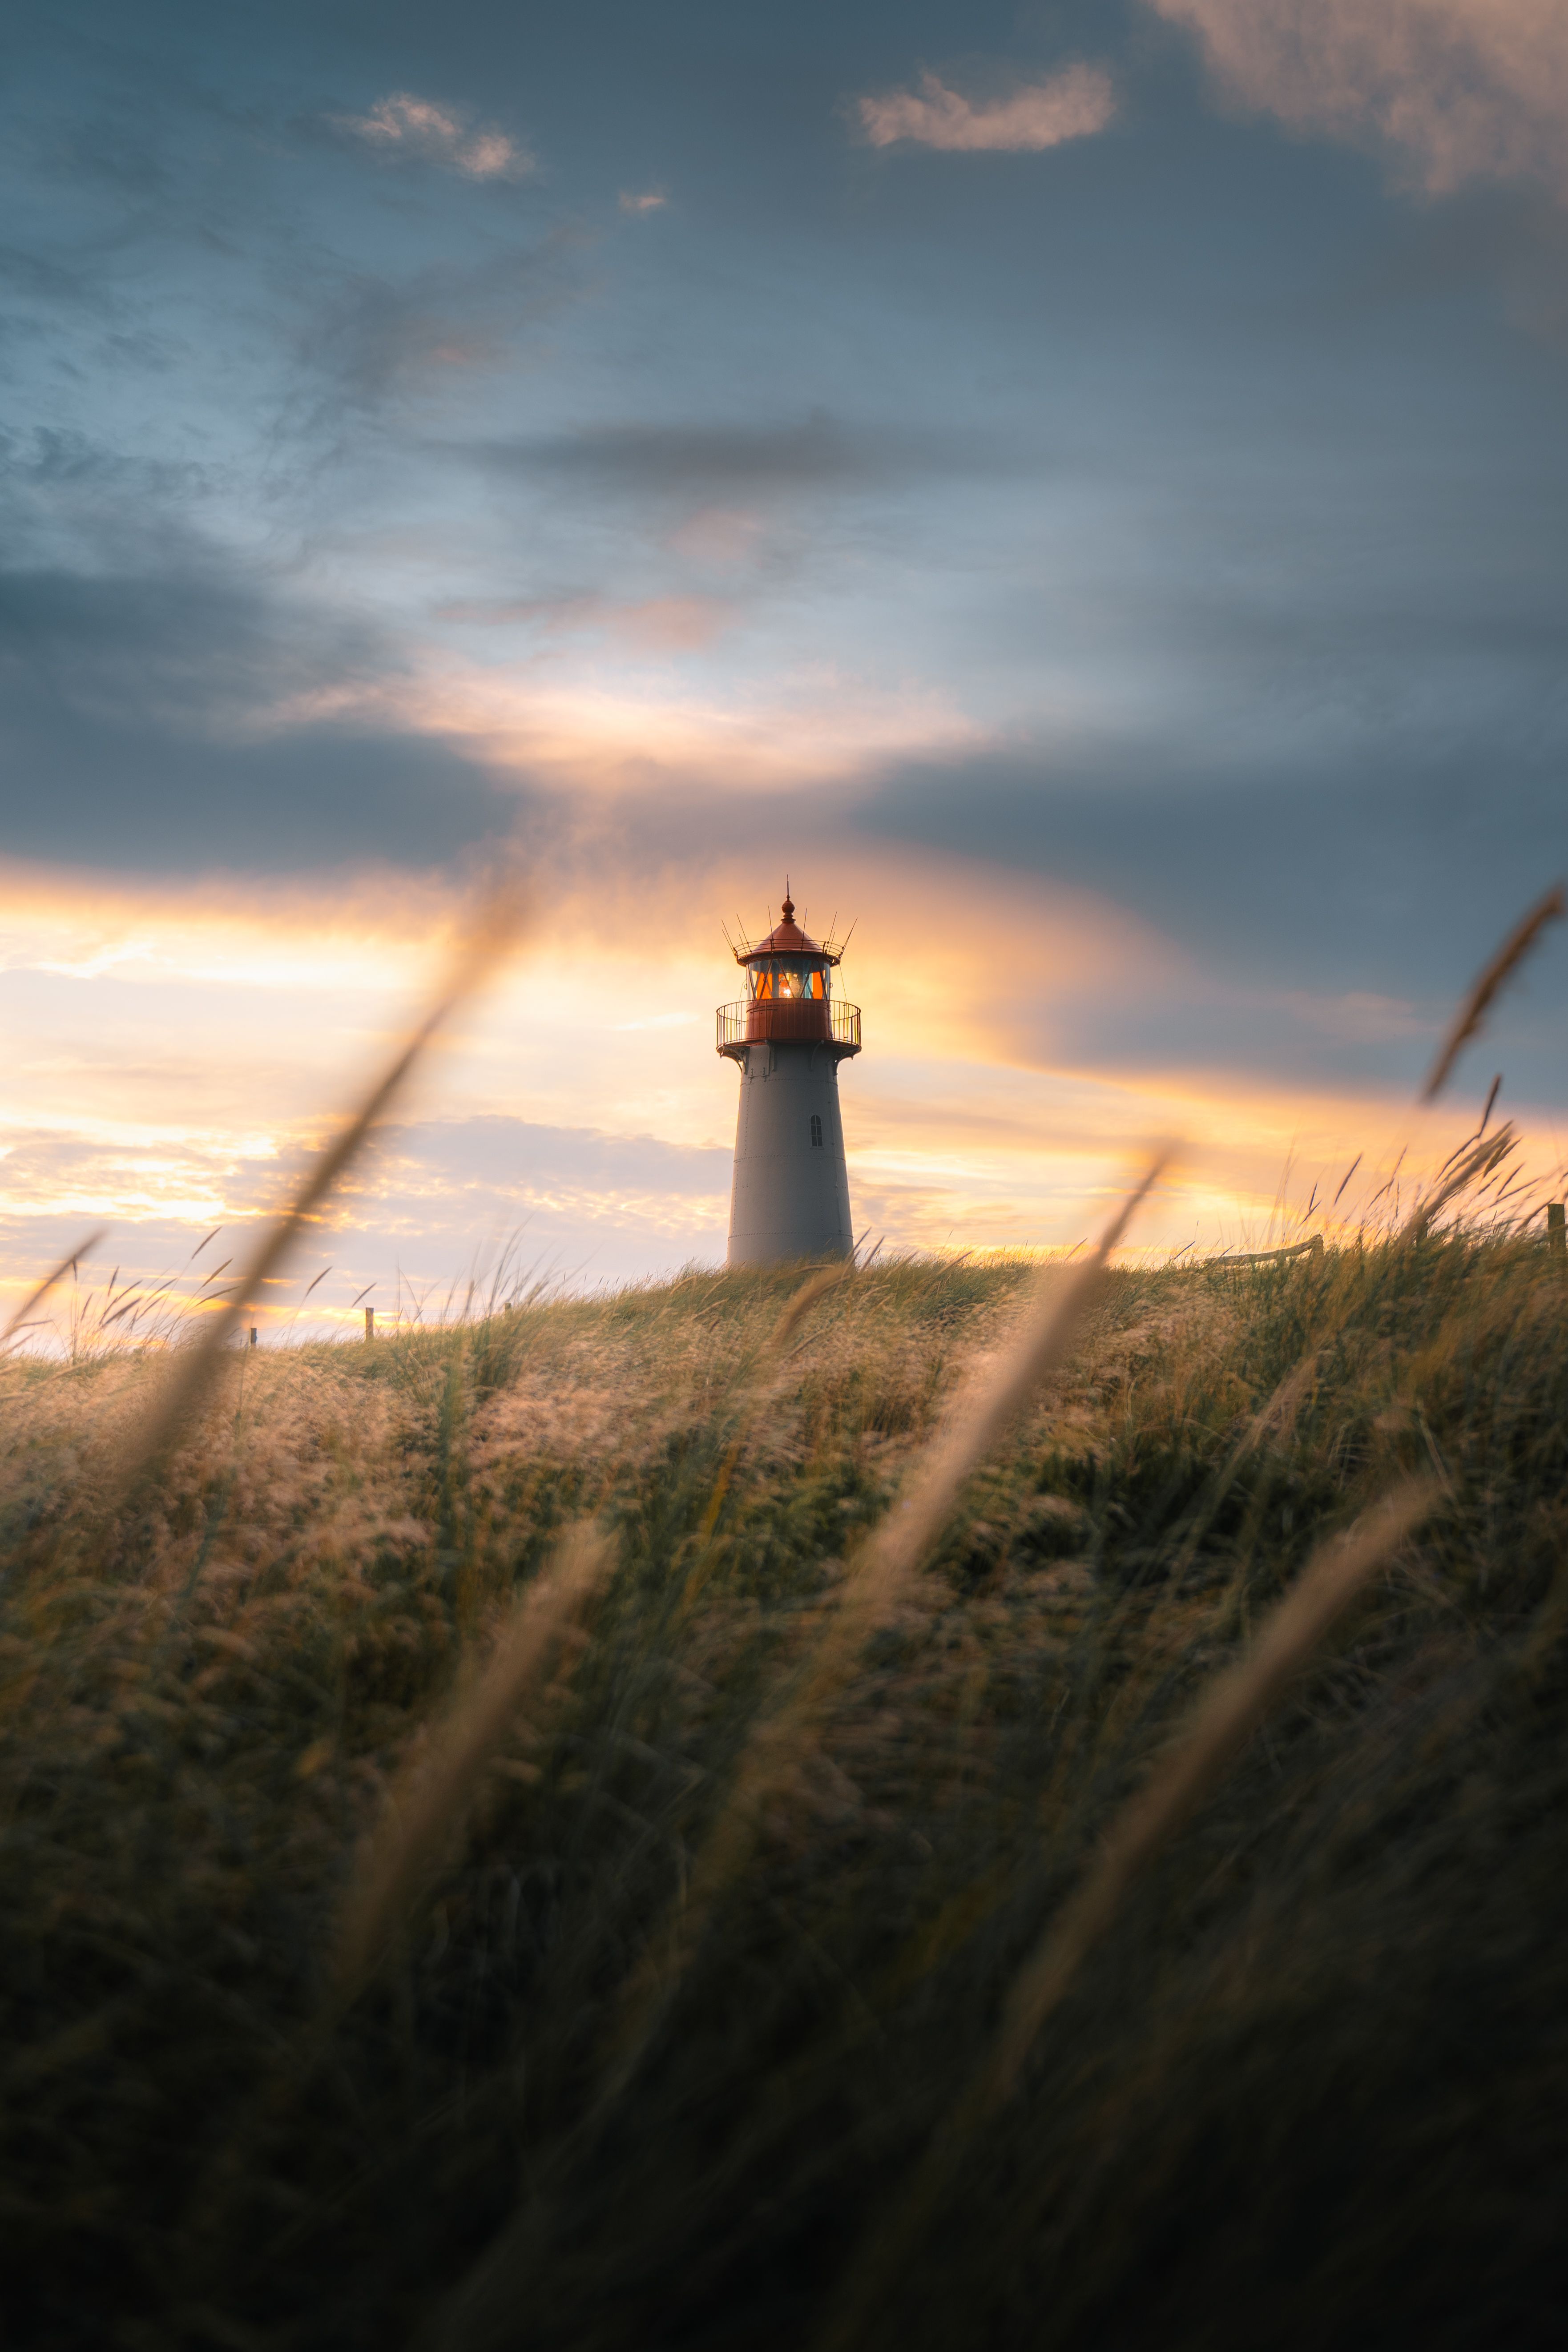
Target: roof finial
[788,903]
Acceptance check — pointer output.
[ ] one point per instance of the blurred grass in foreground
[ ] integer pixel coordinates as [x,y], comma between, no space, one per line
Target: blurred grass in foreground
[1312,2089]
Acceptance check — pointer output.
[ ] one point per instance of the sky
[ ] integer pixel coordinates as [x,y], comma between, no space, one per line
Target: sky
[1079,490]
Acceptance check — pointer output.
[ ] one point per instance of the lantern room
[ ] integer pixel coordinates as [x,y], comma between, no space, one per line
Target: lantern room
[787,967]
[787,979]
[789,993]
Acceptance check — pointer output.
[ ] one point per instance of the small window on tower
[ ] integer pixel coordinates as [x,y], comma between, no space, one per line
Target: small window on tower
[816,1127]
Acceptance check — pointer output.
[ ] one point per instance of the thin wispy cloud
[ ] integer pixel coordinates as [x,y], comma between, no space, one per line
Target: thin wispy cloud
[1460,91]
[651,199]
[748,456]
[404,125]
[652,624]
[1073,104]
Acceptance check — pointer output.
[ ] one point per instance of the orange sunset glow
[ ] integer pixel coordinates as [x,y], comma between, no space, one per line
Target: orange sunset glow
[1155,663]
[191,1045]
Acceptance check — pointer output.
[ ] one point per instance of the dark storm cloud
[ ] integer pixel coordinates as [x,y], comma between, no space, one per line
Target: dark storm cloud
[1283,1038]
[133,734]
[702,460]
[1337,877]
[1272,595]
[144,800]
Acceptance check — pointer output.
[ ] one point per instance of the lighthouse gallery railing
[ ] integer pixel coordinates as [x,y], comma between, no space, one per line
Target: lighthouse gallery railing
[801,1021]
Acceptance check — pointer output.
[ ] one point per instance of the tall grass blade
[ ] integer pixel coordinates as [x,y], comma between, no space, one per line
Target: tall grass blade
[877,1579]
[1469,1169]
[1218,1728]
[1473,1011]
[491,933]
[427,1814]
[57,1273]
[802,1301]
[1047,1326]
[796,1309]
[879,1573]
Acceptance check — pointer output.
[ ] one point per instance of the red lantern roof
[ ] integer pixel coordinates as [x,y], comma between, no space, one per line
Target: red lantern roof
[787,939]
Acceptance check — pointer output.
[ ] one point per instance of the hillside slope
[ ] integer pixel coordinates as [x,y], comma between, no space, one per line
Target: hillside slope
[1313,2086]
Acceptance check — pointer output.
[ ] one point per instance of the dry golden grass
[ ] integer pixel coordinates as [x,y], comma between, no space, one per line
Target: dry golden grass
[1226,1713]
[213,1711]
[23,1320]
[427,1809]
[783,1746]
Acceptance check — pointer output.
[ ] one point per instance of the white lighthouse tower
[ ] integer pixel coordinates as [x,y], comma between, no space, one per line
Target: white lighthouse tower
[789,1033]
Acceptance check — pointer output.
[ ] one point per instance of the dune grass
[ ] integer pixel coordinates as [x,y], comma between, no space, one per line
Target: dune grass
[1310,2086]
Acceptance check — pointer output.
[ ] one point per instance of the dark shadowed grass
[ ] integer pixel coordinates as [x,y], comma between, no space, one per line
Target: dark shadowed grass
[1311,2087]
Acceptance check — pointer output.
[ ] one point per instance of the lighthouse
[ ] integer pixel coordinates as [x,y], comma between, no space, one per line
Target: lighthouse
[788,1033]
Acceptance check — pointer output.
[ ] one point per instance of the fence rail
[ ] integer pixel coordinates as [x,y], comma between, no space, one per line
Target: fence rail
[789,1020]
[1313,1249]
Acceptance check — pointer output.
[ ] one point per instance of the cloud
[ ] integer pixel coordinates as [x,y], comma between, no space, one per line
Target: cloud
[1247,875]
[167,719]
[653,200]
[721,462]
[1512,241]
[404,125]
[719,537]
[40,278]
[432,1200]
[652,625]
[636,739]
[1073,104]
[1459,89]
[369,336]
[535,1167]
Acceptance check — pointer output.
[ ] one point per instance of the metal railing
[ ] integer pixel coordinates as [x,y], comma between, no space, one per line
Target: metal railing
[789,1020]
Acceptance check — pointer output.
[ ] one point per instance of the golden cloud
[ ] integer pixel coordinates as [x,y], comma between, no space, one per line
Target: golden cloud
[1460,90]
[1073,104]
[402,124]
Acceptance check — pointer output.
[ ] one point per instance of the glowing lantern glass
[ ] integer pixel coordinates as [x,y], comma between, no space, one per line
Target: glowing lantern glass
[787,979]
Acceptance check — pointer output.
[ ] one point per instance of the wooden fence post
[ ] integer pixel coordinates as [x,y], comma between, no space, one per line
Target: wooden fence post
[370,1322]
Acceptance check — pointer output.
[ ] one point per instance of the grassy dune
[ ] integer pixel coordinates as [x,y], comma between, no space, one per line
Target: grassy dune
[1311,2088]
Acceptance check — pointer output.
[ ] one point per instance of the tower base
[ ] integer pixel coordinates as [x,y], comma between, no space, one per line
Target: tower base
[790,1199]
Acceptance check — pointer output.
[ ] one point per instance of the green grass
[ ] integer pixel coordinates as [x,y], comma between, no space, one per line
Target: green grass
[1312,2089]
